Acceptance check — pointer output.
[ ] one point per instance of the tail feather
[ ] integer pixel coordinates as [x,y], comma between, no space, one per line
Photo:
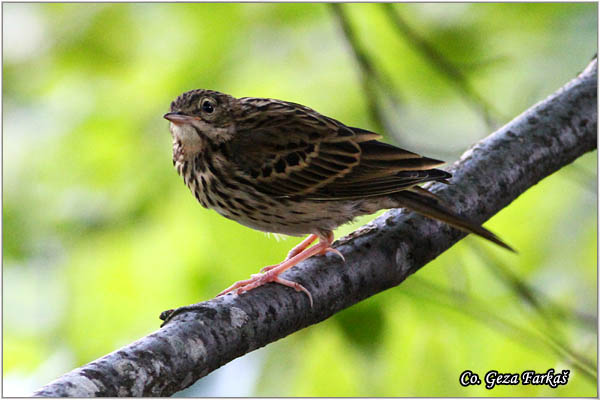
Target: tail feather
[431,208]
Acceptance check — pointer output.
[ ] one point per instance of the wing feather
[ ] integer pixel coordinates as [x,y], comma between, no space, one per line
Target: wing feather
[295,151]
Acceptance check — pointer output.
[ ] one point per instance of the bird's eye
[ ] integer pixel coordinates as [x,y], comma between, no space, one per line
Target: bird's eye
[208,105]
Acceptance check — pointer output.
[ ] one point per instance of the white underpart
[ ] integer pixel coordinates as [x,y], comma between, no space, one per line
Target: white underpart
[188,137]
[277,236]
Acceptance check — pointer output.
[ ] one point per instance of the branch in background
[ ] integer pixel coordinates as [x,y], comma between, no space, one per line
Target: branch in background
[543,305]
[443,65]
[380,255]
[548,310]
[465,304]
[370,79]
[482,64]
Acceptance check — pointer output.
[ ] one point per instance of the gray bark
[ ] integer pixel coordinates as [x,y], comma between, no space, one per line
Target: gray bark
[380,255]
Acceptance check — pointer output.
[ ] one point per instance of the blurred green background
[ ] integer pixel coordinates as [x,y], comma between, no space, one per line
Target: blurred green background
[101,235]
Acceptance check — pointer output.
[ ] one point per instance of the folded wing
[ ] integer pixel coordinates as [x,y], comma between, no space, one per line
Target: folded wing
[295,151]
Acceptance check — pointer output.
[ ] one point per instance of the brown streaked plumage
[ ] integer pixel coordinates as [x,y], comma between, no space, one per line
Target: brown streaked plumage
[281,167]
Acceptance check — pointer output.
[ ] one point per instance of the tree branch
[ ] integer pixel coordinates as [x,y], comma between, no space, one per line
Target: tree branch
[380,255]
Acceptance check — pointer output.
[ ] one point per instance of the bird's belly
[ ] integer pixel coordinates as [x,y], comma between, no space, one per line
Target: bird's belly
[283,216]
[288,216]
[298,218]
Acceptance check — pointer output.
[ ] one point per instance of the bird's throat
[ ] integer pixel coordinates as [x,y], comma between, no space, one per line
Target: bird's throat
[187,143]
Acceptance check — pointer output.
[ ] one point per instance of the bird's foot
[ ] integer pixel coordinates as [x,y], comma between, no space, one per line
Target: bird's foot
[263,278]
[268,268]
[271,273]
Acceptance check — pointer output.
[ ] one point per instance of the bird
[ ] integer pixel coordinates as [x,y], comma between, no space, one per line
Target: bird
[281,167]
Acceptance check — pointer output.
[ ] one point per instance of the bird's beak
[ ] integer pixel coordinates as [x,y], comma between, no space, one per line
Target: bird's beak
[178,118]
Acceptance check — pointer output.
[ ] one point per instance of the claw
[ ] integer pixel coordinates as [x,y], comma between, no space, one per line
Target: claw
[334,251]
[295,285]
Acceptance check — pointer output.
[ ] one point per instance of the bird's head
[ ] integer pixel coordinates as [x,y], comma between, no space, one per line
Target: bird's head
[199,116]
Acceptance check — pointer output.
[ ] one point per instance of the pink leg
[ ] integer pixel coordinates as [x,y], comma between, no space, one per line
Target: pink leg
[296,250]
[302,246]
[331,249]
[298,254]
